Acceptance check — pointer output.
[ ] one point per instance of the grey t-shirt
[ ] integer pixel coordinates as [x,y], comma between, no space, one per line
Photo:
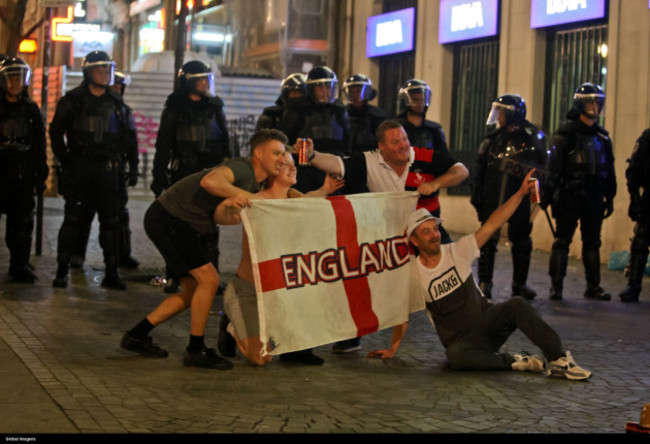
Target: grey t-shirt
[188,201]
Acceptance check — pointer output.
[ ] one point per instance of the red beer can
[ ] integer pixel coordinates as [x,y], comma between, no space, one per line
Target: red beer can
[303,158]
[534,191]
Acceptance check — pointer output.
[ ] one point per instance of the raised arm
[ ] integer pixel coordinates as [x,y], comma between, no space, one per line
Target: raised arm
[501,215]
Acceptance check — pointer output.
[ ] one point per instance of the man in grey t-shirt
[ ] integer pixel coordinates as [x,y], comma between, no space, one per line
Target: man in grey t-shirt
[175,223]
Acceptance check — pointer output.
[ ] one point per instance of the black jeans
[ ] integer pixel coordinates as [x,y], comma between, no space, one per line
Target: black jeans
[479,350]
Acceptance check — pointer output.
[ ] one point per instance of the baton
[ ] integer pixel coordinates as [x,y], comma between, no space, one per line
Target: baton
[550,224]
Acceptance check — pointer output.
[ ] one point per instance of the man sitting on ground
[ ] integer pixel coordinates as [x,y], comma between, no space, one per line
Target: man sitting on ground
[472,329]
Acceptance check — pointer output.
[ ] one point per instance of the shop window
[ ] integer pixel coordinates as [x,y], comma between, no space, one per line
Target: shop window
[474,90]
[574,56]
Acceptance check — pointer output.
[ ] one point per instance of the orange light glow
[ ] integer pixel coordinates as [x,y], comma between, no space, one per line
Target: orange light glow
[28,46]
[55,21]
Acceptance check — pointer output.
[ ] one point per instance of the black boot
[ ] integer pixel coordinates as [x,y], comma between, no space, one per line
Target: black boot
[24,275]
[557,271]
[591,262]
[520,265]
[61,278]
[486,267]
[637,268]
[112,280]
[556,290]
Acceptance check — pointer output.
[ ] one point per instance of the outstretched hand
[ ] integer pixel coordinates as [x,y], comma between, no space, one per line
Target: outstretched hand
[527,185]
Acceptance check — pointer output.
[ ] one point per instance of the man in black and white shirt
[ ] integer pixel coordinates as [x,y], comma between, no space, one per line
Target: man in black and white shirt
[470,327]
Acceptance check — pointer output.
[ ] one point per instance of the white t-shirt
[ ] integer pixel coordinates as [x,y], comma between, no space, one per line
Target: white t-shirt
[454,301]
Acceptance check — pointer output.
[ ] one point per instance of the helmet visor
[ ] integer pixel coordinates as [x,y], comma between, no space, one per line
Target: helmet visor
[322,91]
[356,92]
[498,108]
[416,97]
[203,83]
[15,76]
[101,73]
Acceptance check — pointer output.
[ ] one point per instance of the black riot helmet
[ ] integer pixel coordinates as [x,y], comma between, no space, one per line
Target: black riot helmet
[193,71]
[16,69]
[412,95]
[322,85]
[358,88]
[588,92]
[513,106]
[293,82]
[98,59]
[121,82]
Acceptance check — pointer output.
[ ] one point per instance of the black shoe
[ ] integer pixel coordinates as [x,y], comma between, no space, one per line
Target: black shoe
[347,346]
[524,291]
[597,293]
[206,358]
[486,289]
[129,263]
[60,282]
[555,293]
[144,347]
[226,343]
[306,357]
[630,294]
[113,282]
[23,275]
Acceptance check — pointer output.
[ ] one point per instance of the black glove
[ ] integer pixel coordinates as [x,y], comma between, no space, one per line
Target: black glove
[634,210]
[132,179]
[609,208]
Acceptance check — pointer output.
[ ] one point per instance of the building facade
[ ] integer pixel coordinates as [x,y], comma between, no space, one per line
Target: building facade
[528,54]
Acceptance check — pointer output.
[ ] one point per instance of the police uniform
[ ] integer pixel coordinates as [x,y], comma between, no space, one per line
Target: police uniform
[193,135]
[504,158]
[87,135]
[364,121]
[581,188]
[638,178]
[23,170]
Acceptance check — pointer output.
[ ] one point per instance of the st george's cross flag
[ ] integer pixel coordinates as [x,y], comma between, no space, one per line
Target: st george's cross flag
[329,269]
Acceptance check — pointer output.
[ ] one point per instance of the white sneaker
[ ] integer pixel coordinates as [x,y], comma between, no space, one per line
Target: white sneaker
[528,363]
[565,367]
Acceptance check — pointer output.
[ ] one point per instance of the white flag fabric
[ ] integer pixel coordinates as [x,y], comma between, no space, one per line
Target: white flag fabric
[328,269]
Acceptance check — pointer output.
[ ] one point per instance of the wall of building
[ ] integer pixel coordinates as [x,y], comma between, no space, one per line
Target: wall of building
[522,70]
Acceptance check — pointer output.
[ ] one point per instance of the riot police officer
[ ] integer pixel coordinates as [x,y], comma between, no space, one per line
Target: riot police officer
[193,135]
[364,117]
[638,179]
[23,164]
[581,187]
[129,177]
[505,156]
[88,136]
[293,87]
[413,100]
[320,116]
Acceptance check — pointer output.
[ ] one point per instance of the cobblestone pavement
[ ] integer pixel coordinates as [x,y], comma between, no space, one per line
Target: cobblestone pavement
[62,370]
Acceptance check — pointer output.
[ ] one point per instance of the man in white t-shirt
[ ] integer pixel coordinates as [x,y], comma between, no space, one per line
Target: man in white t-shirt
[470,327]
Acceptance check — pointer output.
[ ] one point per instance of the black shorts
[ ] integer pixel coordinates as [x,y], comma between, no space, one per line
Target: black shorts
[178,242]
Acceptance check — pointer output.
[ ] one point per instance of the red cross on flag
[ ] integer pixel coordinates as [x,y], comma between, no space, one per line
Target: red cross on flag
[328,269]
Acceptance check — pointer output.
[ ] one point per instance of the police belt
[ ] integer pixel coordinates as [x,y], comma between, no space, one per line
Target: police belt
[521,169]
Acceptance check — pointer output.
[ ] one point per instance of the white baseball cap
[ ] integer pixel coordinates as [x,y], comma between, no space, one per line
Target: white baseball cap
[418,217]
